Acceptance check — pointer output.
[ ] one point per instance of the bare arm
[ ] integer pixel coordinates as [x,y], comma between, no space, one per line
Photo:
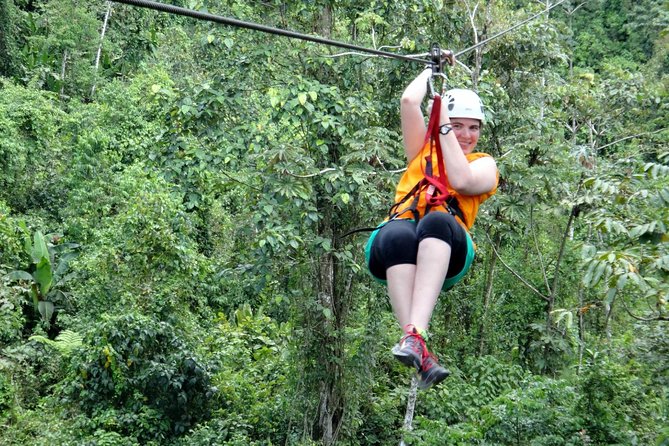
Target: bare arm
[411,115]
[480,177]
[477,177]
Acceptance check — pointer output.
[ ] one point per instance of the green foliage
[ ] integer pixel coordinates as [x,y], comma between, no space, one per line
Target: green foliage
[134,376]
[65,342]
[143,256]
[478,382]
[58,53]
[614,405]
[208,179]
[627,28]
[541,412]
[30,148]
[7,38]
[251,364]
[47,275]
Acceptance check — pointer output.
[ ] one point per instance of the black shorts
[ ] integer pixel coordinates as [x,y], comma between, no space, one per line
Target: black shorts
[396,242]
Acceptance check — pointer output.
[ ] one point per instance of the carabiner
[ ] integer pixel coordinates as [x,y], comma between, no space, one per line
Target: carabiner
[444,85]
[437,58]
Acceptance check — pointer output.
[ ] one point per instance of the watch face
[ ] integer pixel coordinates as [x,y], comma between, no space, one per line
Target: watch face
[444,129]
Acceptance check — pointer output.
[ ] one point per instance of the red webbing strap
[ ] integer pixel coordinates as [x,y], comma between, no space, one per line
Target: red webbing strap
[436,193]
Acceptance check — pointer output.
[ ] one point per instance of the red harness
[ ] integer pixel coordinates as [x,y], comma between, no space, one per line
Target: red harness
[433,185]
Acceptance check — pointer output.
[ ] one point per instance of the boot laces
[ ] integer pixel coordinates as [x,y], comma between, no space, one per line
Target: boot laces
[411,332]
[427,365]
[428,360]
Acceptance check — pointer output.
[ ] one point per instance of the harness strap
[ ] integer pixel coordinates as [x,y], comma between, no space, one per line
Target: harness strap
[436,192]
[434,186]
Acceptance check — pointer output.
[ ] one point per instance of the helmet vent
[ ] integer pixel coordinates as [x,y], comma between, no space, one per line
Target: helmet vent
[451,102]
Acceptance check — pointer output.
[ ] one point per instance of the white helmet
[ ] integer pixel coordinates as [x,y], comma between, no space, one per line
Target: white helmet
[464,104]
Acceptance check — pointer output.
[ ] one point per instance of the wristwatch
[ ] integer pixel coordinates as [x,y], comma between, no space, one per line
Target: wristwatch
[444,129]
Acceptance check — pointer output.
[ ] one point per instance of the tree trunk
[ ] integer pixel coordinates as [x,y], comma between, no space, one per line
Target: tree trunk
[6,63]
[411,406]
[608,307]
[326,21]
[63,66]
[330,407]
[102,38]
[556,279]
[581,330]
[487,295]
[332,296]
[550,304]
[329,343]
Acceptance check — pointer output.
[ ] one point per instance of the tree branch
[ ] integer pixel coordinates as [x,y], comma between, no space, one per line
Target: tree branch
[518,276]
[536,246]
[355,53]
[639,318]
[240,182]
[576,8]
[329,169]
[630,137]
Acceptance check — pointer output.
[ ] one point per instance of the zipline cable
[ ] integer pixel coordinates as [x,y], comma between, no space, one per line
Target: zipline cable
[286,33]
[501,33]
[267,29]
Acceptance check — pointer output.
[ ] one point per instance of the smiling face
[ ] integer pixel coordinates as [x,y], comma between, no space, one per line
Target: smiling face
[467,132]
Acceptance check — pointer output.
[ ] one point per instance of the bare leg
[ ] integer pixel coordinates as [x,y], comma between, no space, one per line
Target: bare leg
[431,267]
[400,288]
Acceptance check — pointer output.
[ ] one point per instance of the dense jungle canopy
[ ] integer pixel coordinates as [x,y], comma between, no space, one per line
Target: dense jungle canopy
[173,192]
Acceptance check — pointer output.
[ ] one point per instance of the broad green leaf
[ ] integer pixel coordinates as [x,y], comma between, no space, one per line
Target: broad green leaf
[43,276]
[19,275]
[46,309]
[664,193]
[622,280]
[39,249]
[599,271]
[611,294]
[65,342]
[302,97]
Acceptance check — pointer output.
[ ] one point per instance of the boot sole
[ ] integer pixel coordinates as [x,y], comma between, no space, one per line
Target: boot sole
[432,379]
[406,359]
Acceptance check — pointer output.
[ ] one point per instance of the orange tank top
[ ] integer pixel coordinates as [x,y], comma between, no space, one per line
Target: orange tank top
[468,204]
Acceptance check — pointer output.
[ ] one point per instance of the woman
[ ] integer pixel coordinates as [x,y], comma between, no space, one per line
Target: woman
[418,260]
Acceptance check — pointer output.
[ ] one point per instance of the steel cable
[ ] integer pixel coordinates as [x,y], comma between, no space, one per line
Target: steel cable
[266,29]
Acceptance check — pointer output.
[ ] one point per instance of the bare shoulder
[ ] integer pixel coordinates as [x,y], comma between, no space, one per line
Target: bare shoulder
[484,175]
[485,162]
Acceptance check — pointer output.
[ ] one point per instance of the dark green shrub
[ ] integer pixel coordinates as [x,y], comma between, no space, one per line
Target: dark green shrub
[540,412]
[137,377]
[615,404]
[249,353]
